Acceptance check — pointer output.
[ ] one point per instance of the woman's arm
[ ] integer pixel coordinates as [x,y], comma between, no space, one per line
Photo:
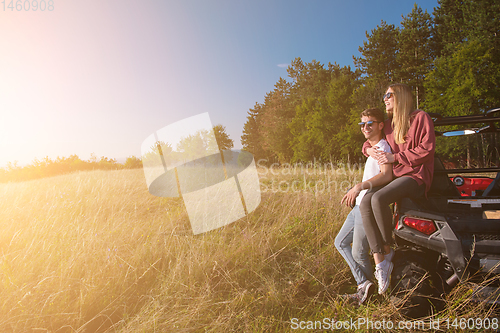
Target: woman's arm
[368,150]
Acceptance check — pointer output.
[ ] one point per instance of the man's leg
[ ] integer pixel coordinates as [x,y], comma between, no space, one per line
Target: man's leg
[343,244]
[360,246]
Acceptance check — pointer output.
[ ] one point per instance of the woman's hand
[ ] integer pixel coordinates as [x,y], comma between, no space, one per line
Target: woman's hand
[384,158]
[350,198]
[372,152]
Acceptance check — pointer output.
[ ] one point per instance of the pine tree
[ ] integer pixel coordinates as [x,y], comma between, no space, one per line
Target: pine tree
[251,139]
[378,60]
[465,75]
[321,123]
[414,50]
[223,140]
[378,66]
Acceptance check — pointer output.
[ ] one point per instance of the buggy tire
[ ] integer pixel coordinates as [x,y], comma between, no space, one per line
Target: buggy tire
[415,284]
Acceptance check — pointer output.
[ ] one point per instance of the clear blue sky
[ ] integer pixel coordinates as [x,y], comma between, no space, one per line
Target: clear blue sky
[99,76]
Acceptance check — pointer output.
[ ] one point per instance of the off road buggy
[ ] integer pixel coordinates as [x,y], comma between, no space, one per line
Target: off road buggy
[453,235]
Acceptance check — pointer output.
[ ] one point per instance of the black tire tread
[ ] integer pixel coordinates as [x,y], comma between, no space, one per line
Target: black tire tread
[415,284]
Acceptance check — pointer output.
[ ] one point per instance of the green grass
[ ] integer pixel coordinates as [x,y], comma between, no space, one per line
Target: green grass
[95,252]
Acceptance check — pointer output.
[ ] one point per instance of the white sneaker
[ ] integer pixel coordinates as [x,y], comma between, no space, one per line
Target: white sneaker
[365,290]
[383,276]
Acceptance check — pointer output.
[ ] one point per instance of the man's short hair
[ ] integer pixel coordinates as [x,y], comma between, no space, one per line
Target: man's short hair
[373,112]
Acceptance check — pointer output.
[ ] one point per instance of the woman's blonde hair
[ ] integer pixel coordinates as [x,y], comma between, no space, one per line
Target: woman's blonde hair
[403,107]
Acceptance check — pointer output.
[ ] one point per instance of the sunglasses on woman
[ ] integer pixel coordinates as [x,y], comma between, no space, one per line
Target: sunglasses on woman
[368,123]
[388,95]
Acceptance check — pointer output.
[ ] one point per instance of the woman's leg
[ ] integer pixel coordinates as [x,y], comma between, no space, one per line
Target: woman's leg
[381,216]
[372,231]
[399,188]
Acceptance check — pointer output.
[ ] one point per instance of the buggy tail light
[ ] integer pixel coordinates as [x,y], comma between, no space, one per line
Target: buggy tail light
[424,226]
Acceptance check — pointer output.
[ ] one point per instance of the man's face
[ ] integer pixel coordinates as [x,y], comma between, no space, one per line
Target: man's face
[373,131]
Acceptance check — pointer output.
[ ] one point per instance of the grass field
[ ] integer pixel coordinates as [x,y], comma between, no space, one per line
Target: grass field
[95,252]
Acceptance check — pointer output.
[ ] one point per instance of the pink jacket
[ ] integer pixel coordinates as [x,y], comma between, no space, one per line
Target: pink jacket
[415,157]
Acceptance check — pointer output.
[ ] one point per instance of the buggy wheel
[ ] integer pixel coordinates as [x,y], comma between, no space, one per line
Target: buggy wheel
[415,285]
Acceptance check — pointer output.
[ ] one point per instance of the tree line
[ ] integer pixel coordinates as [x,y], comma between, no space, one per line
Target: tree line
[190,147]
[48,167]
[450,59]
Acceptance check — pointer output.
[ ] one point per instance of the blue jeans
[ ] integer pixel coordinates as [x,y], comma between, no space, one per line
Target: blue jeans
[357,256]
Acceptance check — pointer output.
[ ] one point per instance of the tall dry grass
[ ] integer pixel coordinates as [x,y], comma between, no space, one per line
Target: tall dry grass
[95,252]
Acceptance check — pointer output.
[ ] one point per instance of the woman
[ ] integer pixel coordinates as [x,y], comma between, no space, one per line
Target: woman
[410,133]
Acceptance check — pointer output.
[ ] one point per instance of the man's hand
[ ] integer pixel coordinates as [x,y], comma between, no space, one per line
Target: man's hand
[350,198]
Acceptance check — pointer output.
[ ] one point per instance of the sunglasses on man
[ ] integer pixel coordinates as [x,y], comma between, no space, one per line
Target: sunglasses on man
[368,123]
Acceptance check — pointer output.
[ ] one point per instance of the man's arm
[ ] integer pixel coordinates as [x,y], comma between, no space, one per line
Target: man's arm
[384,177]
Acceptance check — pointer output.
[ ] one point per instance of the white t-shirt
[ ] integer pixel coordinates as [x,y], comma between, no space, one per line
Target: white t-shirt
[372,168]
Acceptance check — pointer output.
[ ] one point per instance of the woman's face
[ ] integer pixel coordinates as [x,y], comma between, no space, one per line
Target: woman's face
[389,101]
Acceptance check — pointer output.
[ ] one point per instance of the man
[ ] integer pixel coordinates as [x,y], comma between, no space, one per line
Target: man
[357,255]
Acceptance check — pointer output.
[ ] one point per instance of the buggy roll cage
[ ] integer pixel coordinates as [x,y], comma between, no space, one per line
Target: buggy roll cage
[489,118]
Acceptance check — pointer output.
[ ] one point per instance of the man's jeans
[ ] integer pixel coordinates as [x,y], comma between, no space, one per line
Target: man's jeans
[357,256]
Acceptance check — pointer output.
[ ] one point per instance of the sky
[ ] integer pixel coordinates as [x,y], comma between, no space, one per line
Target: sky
[99,76]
